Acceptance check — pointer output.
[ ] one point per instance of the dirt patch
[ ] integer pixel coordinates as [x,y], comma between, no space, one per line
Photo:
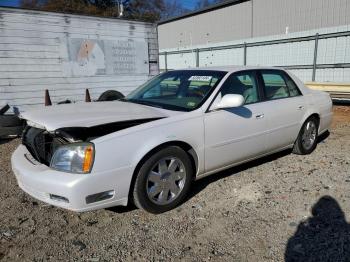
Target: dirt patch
[267,210]
[341,115]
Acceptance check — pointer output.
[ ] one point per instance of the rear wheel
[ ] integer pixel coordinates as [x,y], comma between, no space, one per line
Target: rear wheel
[163,180]
[307,138]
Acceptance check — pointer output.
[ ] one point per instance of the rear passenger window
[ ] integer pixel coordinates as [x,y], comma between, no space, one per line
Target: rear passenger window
[293,89]
[277,84]
[274,86]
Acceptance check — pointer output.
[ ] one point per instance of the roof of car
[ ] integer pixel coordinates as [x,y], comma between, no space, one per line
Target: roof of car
[232,68]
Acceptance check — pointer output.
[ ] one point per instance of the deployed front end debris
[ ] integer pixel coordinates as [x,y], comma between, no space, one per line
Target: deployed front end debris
[10,125]
[43,144]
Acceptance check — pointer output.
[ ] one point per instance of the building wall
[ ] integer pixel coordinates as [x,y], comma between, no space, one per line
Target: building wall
[68,53]
[233,22]
[331,51]
[253,18]
[271,17]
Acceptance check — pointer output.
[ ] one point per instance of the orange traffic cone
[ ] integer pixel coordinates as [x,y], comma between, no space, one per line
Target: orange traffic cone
[47,98]
[87,96]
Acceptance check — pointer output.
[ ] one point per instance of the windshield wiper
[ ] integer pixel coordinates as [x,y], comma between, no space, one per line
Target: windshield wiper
[143,102]
[158,105]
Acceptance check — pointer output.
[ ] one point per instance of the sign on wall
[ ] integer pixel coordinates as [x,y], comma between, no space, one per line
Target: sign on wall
[88,57]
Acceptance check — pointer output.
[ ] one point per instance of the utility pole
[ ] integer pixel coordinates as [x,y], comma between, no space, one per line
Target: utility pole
[120,7]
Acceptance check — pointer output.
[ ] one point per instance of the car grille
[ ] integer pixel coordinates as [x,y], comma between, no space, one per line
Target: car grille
[41,144]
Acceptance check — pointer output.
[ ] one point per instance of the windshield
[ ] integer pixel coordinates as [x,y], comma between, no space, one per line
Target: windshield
[182,90]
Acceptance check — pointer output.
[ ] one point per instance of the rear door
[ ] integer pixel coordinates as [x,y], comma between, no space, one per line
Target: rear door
[284,108]
[235,134]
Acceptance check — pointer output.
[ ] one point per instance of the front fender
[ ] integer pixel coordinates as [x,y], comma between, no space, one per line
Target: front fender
[129,148]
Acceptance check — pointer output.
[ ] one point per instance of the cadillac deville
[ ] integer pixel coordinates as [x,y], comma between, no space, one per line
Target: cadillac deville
[180,126]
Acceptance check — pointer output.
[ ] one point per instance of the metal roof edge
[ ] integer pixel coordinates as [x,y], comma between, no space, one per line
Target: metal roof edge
[203,10]
[28,10]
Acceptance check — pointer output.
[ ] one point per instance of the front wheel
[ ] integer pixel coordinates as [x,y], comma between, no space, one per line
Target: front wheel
[163,180]
[307,138]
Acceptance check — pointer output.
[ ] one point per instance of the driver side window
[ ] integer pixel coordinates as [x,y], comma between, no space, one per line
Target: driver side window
[167,87]
[241,83]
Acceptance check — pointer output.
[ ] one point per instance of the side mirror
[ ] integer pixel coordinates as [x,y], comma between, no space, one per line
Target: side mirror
[229,101]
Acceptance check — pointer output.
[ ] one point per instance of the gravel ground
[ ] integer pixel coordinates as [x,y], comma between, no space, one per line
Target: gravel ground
[283,207]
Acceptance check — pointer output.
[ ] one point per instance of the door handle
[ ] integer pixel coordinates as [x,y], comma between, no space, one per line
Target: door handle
[259,116]
[300,107]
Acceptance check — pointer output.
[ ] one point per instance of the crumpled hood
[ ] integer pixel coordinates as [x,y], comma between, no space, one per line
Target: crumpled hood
[90,114]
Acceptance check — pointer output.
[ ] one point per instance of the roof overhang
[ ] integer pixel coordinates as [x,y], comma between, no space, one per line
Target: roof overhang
[203,10]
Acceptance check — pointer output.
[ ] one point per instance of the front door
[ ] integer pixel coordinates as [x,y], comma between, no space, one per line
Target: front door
[236,134]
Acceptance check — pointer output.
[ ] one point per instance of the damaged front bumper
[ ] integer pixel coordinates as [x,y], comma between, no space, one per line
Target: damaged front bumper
[75,192]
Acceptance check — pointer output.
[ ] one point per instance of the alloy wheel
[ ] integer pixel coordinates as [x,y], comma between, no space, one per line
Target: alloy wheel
[309,135]
[166,180]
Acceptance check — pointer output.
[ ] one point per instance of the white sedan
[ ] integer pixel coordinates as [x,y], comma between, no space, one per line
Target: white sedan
[178,127]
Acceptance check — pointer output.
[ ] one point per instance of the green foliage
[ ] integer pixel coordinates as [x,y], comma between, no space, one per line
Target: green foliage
[149,11]
[143,10]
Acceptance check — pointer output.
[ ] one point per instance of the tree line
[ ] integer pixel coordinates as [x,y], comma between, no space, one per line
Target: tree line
[149,11]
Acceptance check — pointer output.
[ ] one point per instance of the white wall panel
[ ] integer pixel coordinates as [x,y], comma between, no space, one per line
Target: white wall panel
[221,57]
[334,50]
[330,51]
[337,75]
[68,53]
[233,22]
[185,60]
[253,18]
[304,74]
[299,53]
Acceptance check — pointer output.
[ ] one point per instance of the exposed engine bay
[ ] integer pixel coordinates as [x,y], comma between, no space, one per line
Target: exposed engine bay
[42,144]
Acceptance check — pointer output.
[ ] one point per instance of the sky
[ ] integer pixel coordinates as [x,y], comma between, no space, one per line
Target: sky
[9,2]
[189,4]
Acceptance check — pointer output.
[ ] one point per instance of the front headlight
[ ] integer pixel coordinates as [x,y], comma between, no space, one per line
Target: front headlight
[74,158]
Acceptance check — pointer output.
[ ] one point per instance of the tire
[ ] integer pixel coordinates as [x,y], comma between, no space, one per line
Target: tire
[67,101]
[110,95]
[10,120]
[307,138]
[13,131]
[163,180]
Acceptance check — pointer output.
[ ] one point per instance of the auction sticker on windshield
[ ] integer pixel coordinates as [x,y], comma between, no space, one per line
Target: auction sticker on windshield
[200,78]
